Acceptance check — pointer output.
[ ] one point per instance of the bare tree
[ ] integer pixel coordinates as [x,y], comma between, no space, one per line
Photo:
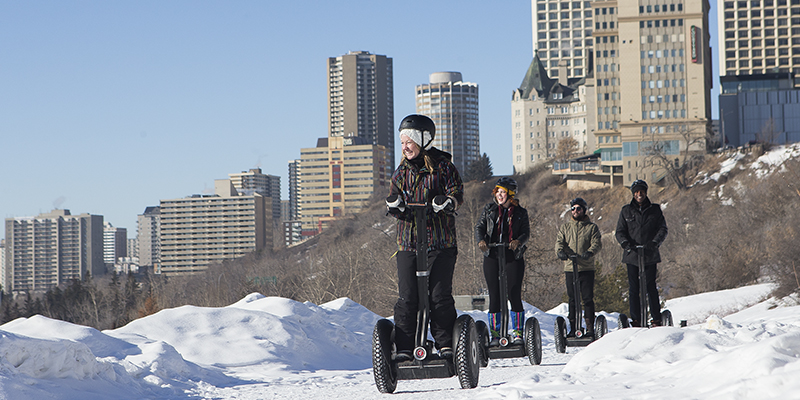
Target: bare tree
[566,148]
[769,133]
[674,158]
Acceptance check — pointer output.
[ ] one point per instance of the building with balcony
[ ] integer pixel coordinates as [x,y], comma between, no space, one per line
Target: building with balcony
[338,177]
[50,249]
[203,229]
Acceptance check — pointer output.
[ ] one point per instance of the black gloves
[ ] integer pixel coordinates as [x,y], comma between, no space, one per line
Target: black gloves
[442,202]
[587,255]
[562,256]
[395,205]
[652,246]
[626,246]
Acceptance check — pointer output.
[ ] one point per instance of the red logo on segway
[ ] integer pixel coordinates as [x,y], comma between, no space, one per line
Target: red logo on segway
[420,353]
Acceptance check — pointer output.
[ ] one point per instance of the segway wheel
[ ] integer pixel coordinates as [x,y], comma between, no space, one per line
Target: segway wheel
[383,369]
[623,321]
[533,341]
[483,342]
[600,327]
[560,335]
[467,357]
[666,318]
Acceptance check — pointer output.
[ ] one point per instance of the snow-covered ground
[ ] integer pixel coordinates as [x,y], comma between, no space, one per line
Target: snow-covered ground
[737,346]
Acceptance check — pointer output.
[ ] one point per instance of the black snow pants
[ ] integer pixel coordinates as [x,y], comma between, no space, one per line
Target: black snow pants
[586,283]
[515,271]
[652,292]
[442,305]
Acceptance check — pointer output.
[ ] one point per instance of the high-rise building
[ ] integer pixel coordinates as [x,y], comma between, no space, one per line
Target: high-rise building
[759,67]
[453,106]
[667,111]
[337,178]
[50,249]
[115,244]
[361,98]
[133,248]
[758,37]
[642,126]
[254,180]
[148,236]
[294,190]
[665,114]
[202,229]
[546,111]
[562,31]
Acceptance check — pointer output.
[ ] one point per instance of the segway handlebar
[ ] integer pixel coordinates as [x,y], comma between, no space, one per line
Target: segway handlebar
[498,244]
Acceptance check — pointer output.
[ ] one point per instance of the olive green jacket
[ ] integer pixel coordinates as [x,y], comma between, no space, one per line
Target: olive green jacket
[578,237]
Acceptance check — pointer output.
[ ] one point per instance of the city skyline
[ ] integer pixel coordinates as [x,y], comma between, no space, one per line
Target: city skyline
[112,107]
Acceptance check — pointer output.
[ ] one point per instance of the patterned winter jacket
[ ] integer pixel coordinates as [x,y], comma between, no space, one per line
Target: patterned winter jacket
[641,226]
[421,185]
[578,237]
[518,222]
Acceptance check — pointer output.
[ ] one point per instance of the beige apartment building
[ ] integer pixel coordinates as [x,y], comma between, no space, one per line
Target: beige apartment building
[51,249]
[253,180]
[759,37]
[664,115]
[337,178]
[203,229]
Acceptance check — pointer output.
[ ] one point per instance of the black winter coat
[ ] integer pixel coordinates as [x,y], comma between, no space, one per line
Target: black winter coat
[520,227]
[641,226]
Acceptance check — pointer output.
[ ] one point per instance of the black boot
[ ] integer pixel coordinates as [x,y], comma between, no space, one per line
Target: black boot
[589,327]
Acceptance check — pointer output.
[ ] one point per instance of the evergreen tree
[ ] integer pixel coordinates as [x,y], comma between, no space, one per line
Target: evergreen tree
[611,290]
[479,170]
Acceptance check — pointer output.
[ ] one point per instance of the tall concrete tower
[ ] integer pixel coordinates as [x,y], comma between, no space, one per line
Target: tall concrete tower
[453,106]
[361,98]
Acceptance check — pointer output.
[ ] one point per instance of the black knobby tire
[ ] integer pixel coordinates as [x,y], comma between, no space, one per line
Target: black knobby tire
[467,354]
[560,335]
[666,318]
[533,341]
[483,341]
[600,327]
[623,322]
[383,368]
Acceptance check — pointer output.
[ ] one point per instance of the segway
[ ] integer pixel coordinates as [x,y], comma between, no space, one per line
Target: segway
[581,339]
[666,315]
[466,360]
[532,335]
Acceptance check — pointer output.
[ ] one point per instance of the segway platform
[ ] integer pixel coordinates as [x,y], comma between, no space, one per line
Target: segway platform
[467,356]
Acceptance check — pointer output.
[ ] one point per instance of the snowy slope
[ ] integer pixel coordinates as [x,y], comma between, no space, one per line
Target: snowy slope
[275,348]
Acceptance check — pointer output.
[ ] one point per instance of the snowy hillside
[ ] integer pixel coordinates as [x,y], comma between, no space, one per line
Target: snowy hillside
[274,348]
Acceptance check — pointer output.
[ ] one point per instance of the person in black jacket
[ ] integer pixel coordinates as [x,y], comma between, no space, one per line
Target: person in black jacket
[642,223]
[504,221]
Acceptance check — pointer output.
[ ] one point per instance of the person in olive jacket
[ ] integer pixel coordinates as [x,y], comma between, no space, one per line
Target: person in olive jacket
[504,221]
[579,237]
[642,223]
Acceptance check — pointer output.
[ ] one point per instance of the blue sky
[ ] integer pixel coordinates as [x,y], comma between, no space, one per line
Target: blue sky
[107,107]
